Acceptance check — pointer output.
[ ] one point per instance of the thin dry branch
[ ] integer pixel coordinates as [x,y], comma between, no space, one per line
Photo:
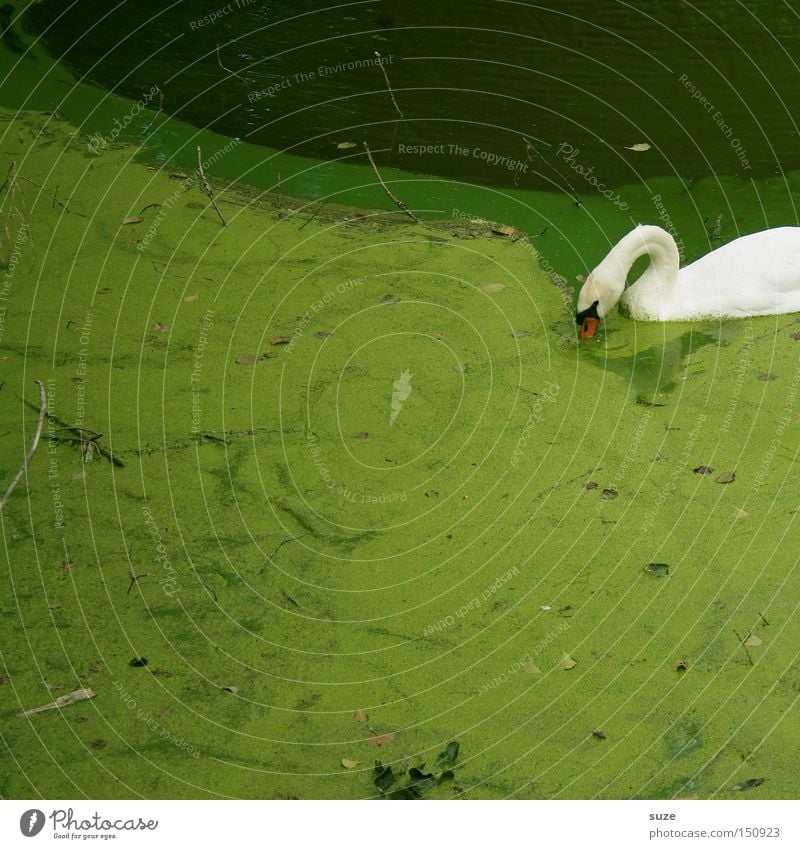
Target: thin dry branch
[231,72]
[388,84]
[31,450]
[393,197]
[206,186]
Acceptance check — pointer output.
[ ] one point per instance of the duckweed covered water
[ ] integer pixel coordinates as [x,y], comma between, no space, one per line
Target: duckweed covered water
[422,574]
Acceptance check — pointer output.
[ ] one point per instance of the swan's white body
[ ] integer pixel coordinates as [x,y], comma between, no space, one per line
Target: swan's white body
[757,274]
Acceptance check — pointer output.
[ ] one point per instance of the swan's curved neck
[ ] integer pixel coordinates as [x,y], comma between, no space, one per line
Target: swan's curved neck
[646,239]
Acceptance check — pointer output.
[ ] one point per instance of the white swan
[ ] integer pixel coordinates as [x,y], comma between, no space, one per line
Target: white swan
[757,274]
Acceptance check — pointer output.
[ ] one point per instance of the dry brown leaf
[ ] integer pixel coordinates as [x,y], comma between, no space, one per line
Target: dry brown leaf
[590,485]
[532,669]
[599,733]
[726,477]
[609,494]
[279,340]
[567,662]
[738,513]
[751,641]
[54,605]
[681,664]
[491,288]
[360,716]
[362,435]
[382,739]
[503,230]
[247,359]
[133,219]
[159,327]
[323,334]
[639,148]
[703,470]
[348,764]
[345,145]
[232,688]
[190,298]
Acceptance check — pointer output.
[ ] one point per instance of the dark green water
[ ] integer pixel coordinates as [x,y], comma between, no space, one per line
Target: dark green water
[712,87]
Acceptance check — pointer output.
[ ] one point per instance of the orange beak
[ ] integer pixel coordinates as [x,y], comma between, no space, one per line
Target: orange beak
[589,327]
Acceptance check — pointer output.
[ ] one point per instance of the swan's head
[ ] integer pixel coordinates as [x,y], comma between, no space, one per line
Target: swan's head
[597,297]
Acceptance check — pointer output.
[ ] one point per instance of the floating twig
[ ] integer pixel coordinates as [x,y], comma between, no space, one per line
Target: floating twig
[31,450]
[388,84]
[232,73]
[16,206]
[63,701]
[206,186]
[531,149]
[744,646]
[393,197]
[309,220]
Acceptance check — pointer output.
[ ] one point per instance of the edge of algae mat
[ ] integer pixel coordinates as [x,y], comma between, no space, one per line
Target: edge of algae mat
[433,574]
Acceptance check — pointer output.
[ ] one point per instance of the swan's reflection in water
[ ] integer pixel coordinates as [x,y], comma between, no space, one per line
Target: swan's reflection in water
[655,359]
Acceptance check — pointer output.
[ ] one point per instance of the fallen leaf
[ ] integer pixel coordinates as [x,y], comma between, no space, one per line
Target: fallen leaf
[639,148]
[727,477]
[703,470]
[449,756]
[362,435]
[749,784]
[132,243]
[166,712]
[738,513]
[521,334]
[133,219]
[191,298]
[390,299]
[138,662]
[659,569]
[54,605]
[360,716]
[179,175]
[532,669]
[609,494]
[247,359]
[503,230]
[348,764]
[751,641]
[323,334]
[419,780]
[279,340]
[581,278]
[590,485]
[232,688]
[460,367]
[159,327]
[345,145]
[680,665]
[767,375]
[490,288]
[385,779]
[380,739]
[599,733]
[567,662]
[152,168]
[796,337]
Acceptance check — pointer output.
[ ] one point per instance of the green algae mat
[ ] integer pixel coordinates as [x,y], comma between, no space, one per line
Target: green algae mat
[330,504]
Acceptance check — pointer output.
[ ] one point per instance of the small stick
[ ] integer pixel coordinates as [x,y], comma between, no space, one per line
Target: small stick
[207,186]
[530,148]
[233,73]
[34,444]
[763,619]
[744,647]
[160,99]
[388,84]
[393,197]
